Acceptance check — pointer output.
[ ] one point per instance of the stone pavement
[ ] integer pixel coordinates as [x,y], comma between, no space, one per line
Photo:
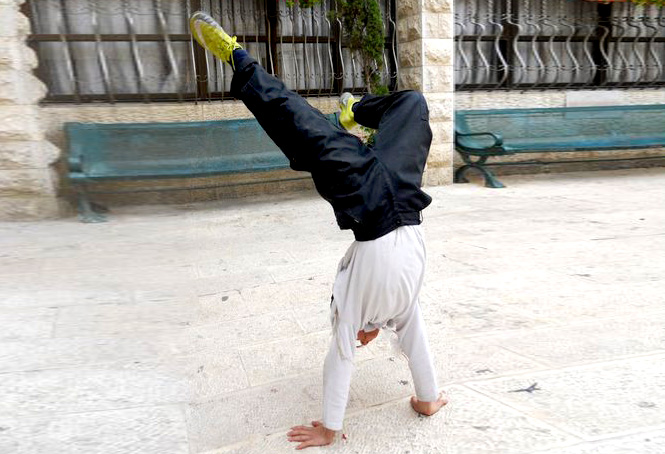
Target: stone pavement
[203,328]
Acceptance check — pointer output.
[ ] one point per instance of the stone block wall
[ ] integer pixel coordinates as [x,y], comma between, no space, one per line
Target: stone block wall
[27,180]
[426,43]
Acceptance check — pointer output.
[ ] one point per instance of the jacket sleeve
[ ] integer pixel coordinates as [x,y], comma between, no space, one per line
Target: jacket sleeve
[413,341]
[337,371]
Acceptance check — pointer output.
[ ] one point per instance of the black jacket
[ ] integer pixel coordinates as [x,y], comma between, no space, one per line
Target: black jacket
[375,189]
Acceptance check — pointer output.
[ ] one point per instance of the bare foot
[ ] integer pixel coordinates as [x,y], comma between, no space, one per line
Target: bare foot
[428,408]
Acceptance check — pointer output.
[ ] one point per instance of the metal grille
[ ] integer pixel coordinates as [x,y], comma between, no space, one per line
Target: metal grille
[141,50]
[539,44]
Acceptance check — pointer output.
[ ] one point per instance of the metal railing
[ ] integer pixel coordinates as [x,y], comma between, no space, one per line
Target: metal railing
[576,44]
[141,50]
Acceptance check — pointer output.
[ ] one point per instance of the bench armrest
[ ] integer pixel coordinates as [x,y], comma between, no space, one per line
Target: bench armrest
[498,140]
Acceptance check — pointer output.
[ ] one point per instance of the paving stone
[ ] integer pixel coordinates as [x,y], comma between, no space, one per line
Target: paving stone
[470,424]
[245,332]
[121,277]
[165,295]
[27,323]
[382,380]
[456,360]
[326,266]
[147,430]
[485,303]
[236,263]
[296,355]
[299,292]
[643,443]
[233,418]
[215,373]
[58,296]
[591,341]
[82,389]
[314,316]
[556,279]
[122,319]
[35,354]
[592,400]
[302,295]
[460,360]
[12,263]
[233,281]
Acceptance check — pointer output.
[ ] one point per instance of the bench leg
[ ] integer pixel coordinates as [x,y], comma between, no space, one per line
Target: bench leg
[89,212]
[490,179]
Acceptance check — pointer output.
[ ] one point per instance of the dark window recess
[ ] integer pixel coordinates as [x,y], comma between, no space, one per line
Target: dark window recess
[141,50]
[527,44]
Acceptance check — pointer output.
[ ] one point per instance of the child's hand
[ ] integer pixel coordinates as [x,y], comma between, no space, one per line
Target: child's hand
[311,436]
[367,337]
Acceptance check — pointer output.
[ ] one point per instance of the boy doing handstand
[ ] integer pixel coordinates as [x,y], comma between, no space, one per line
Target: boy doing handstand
[375,192]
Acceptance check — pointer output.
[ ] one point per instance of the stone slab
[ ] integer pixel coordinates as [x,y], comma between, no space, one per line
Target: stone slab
[56,297]
[23,324]
[244,332]
[470,424]
[590,341]
[35,354]
[231,419]
[591,401]
[296,355]
[147,430]
[122,319]
[308,269]
[301,295]
[83,389]
[502,303]
[642,443]
[215,373]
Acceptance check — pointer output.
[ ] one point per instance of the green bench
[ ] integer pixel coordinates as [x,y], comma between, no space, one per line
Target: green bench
[139,151]
[483,134]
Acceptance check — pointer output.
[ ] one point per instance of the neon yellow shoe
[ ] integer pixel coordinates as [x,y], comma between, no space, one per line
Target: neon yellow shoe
[209,34]
[346,101]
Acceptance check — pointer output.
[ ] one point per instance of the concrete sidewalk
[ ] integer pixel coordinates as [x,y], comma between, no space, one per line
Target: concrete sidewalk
[203,329]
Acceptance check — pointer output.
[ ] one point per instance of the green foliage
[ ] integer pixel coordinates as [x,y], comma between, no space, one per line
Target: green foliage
[302,3]
[363,27]
[660,3]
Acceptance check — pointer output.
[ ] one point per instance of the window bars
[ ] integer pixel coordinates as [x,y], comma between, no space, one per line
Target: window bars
[141,50]
[574,44]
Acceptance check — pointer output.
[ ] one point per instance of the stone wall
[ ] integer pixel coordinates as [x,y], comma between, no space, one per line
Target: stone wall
[31,137]
[27,180]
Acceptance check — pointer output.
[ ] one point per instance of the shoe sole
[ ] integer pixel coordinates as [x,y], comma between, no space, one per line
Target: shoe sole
[195,25]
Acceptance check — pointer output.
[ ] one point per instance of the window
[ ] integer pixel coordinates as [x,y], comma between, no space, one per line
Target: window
[141,50]
[536,44]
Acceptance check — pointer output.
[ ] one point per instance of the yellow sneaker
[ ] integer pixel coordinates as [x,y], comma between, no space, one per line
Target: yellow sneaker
[346,101]
[209,34]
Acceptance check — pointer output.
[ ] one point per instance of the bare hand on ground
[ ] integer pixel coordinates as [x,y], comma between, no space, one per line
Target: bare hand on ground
[367,337]
[311,436]
[428,408]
